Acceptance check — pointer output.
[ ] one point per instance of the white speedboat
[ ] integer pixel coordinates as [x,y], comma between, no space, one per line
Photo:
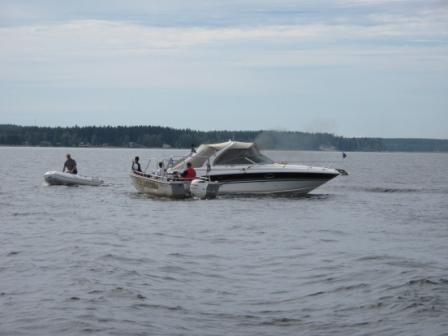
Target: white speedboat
[173,187]
[240,168]
[60,178]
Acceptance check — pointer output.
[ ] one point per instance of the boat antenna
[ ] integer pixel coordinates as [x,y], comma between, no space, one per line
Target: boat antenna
[147,165]
[209,166]
[170,163]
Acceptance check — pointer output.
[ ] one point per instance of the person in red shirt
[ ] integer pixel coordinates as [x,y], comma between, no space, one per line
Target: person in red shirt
[189,174]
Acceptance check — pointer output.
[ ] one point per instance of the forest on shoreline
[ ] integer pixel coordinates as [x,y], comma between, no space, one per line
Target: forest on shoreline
[166,137]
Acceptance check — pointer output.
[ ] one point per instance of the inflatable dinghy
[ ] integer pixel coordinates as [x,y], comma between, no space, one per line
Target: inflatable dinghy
[59,178]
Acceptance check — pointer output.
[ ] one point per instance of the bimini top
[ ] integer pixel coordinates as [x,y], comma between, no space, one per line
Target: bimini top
[226,153]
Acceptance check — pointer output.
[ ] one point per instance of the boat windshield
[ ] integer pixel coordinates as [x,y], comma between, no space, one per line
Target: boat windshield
[234,153]
[235,156]
[197,159]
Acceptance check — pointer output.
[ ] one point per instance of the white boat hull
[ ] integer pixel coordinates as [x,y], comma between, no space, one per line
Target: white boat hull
[269,179]
[60,178]
[160,187]
[269,187]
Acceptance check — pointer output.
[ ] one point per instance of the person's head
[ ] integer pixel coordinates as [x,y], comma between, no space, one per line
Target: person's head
[136,159]
[189,165]
[68,156]
[160,164]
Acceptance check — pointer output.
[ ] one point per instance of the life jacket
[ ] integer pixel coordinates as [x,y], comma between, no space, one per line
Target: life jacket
[191,174]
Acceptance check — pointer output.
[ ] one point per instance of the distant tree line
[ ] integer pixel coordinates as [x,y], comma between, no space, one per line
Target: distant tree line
[155,136]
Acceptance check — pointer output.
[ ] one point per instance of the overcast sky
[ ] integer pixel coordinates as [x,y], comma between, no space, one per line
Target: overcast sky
[349,67]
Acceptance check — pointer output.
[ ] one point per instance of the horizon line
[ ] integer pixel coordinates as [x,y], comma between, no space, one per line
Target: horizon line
[230,130]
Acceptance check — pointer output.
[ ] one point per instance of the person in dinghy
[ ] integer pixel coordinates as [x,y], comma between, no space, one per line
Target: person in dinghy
[70,166]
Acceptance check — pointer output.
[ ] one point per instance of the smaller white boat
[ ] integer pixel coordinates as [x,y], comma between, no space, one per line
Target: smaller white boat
[60,178]
[162,186]
[172,187]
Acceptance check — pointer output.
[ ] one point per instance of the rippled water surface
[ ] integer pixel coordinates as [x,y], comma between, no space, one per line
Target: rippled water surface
[366,254]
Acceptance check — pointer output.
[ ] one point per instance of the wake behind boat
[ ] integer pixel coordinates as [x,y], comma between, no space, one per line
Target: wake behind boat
[60,178]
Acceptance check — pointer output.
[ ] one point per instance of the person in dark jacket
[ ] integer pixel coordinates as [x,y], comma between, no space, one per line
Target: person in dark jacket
[70,165]
[136,164]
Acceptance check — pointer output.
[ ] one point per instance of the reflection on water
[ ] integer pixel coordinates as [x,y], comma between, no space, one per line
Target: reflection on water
[364,254]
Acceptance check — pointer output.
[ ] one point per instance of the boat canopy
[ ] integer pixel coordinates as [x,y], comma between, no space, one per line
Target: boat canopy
[225,153]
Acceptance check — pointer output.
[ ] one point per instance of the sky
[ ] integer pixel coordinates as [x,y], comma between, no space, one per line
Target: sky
[374,68]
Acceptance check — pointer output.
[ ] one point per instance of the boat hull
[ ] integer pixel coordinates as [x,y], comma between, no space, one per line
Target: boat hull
[158,187]
[270,182]
[269,187]
[60,178]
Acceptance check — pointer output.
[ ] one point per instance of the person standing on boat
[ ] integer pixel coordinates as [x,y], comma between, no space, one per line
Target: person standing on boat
[190,173]
[136,164]
[160,171]
[70,165]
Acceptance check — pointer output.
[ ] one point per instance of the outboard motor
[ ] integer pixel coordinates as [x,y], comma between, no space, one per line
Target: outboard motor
[204,189]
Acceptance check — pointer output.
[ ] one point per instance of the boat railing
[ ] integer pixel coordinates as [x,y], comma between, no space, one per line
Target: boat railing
[196,159]
[167,177]
[333,164]
[153,163]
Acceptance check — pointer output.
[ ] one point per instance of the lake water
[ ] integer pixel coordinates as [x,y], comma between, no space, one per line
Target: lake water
[365,254]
